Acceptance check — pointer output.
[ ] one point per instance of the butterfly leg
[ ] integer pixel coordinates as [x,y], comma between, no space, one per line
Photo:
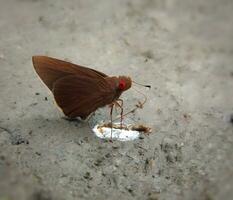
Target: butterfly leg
[119,103]
[111,106]
[89,118]
[70,119]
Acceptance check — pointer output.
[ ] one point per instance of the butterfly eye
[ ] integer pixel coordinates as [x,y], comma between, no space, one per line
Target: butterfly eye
[121,85]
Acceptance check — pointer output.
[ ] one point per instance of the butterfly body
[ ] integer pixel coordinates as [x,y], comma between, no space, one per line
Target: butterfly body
[79,90]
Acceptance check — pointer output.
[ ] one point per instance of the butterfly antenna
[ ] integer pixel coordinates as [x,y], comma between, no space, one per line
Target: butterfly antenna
[148,86]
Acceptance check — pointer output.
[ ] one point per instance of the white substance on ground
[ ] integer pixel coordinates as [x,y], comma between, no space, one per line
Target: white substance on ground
[117,134]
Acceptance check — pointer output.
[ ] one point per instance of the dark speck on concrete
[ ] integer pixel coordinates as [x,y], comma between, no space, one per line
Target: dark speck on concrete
[148,55]
[17,140]
[231,119]
[41,195]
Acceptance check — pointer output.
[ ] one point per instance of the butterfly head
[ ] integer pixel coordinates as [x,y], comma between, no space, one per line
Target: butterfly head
[124,83]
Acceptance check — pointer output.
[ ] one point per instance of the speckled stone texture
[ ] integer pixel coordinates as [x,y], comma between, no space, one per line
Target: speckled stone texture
[184,49]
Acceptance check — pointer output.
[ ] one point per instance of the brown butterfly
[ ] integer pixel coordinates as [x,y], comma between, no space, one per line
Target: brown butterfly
[79,90]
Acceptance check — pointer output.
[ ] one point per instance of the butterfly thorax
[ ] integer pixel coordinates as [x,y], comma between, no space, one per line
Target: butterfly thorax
[119,85]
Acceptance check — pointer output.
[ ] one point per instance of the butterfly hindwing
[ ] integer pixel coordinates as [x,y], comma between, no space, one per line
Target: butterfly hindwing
[78,96]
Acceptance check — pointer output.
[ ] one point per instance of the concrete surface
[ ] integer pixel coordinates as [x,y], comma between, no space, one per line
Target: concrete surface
[184,49]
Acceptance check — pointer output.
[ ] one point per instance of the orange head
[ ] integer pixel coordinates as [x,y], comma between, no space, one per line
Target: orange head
[124,83]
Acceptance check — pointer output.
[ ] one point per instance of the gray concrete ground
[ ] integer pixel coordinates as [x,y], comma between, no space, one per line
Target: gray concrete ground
[184,49]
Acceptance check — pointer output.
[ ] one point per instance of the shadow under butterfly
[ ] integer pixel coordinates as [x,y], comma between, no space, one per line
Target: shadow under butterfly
[80,91]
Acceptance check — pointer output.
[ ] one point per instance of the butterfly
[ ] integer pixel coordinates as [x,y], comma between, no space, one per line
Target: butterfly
[78,90]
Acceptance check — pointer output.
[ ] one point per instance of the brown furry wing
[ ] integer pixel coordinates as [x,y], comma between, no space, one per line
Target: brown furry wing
[79,95]
[51,69]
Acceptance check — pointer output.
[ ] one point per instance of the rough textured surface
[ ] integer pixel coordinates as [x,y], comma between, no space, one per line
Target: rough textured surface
[184,49]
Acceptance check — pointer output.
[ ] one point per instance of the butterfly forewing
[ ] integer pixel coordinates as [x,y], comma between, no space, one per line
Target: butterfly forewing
[51,69]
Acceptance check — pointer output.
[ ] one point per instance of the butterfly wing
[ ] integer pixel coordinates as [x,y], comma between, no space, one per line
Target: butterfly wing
[79,95]
[50,70]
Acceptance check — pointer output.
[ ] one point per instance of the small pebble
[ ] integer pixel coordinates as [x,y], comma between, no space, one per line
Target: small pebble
[38,153]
